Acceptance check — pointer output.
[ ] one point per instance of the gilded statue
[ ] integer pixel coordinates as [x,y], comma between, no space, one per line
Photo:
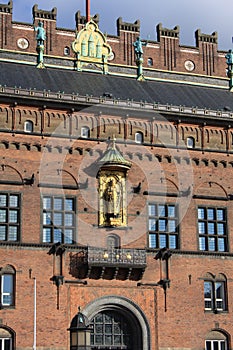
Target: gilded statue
[112,200]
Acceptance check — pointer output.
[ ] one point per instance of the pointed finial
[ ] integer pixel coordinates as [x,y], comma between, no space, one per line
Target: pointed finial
[113,141]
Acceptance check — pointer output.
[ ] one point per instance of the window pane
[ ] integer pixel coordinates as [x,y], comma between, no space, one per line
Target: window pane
[14,201]
[47,219]
[2,233]
[172,242]
[221,229]
[3,200]
[219,289]
[57,203]
[211,229]
[138,137]
[208,289]
[68,219]
[13,233]
[7,283]
[152,241]
[85,131]
[223,345]
[69,204]
[221,245]
[201,213]
[208,345]
[220,215]
[162,241]
[215,345]
[212,245]
[202,243]
[152,225]
[161,210]
[13,216]
[57,235]
[47,235]
[7,345]
[210,214]
[7,289]
[171,211]
[171,226]
[2,215]
[162,225]
[201,227]
[57,219]
[68,236]
[47,203]
[152,210]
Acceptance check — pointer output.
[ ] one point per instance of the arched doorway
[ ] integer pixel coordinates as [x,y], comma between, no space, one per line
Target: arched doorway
[118,323]
[112,328]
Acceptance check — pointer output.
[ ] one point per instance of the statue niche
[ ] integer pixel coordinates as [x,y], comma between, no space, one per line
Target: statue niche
[112,197]
[112,187]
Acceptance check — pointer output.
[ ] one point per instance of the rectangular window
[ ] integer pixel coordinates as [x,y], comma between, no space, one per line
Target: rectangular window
[163,225]
[7,289]
[9,217]
[215,295]
[58,219]
[212,229]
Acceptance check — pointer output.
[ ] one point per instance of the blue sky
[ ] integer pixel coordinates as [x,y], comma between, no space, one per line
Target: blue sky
[207,15]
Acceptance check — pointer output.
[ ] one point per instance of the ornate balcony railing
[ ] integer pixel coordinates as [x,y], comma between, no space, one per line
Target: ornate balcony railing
[135,258]
[105,263]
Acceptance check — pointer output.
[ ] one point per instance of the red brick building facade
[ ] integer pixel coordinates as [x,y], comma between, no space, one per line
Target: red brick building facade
[115,194]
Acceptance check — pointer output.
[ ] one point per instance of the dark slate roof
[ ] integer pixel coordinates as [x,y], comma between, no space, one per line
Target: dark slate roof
[85,83]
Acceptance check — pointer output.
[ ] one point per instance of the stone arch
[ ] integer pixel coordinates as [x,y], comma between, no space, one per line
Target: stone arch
[8,332]
[171,186]
[59,177]
[218,335]
[8,173]
[211,188]
[128,308]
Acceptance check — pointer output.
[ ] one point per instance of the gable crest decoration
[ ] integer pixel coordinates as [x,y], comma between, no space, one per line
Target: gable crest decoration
[91,48]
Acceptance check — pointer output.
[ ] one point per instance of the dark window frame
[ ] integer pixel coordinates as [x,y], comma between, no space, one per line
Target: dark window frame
[209,237]
[7,224]
[215,294]
[7,271]
[50,213]
[161,231]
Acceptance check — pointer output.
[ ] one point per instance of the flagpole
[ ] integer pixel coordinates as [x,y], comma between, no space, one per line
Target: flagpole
[88,14]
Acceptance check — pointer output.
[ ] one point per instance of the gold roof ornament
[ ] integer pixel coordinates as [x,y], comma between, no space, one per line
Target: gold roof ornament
[91,48]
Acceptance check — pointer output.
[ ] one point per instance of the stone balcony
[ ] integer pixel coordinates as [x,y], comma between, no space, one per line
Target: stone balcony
[96,263]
